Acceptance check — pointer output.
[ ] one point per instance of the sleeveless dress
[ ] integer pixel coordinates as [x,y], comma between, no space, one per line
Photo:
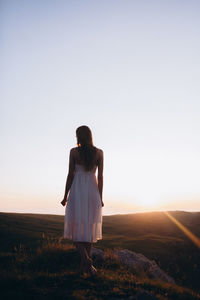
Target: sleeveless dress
[83,211]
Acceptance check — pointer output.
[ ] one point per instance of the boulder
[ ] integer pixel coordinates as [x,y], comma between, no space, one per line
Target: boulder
[136,262]
[97,254]
[139,264]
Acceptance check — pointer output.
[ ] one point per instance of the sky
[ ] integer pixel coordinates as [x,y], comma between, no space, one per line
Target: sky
[129,70]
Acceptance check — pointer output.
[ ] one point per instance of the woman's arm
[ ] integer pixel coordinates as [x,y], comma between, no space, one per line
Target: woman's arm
[100,176]
[70,177]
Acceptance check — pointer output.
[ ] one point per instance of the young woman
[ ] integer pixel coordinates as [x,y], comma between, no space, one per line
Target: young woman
[83,195]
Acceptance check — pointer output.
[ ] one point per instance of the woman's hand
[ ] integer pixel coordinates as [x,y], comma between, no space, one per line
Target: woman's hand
[64,201]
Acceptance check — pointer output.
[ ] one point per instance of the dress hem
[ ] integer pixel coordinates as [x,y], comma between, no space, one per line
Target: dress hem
[73,240]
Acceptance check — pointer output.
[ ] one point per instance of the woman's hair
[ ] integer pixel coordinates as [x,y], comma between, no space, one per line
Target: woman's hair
[85,147]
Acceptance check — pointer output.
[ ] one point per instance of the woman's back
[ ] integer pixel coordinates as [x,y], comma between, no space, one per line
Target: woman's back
[79,160]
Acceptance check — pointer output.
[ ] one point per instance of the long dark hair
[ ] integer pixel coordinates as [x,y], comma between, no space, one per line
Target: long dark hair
[85,147]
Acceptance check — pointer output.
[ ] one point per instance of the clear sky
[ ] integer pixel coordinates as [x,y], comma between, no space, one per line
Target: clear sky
[130,70]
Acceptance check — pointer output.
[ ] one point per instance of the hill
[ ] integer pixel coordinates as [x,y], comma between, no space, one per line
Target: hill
[152,234]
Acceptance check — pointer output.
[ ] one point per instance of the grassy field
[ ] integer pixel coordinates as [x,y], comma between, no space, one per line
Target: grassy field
[36,261]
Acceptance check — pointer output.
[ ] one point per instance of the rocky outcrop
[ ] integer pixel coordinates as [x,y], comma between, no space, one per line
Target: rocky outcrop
[137,263]
[97,254]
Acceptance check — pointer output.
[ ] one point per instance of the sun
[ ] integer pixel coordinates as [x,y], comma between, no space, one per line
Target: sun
[148,201]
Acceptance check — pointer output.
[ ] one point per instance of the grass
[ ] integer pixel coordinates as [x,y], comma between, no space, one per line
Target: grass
[34,256]
[52,271]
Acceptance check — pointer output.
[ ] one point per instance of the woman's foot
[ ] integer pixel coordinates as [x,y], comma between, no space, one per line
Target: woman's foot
[93,271]
[88,268]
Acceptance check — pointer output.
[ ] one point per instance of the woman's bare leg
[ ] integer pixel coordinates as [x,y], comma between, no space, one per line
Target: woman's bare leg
[92,270]
[89,248]
[84,249]
[79,249]
[85,259]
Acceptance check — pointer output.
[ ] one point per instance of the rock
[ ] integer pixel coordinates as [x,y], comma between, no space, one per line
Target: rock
[138,263]
[97,254]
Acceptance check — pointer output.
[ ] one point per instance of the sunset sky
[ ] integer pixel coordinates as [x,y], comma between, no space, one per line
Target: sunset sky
[130,70]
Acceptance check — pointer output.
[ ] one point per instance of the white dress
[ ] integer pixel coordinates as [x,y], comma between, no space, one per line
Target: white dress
[83,212]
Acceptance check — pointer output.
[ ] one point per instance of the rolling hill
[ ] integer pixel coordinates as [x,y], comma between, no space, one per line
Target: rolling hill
[152,234]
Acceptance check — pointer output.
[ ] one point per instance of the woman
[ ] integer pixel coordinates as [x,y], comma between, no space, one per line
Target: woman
[83,212]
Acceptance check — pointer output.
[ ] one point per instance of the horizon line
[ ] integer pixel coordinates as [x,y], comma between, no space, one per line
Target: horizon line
[106,215]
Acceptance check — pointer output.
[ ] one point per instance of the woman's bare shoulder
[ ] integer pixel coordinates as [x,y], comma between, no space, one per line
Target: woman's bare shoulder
[98,149]
[99,152]
[73,150]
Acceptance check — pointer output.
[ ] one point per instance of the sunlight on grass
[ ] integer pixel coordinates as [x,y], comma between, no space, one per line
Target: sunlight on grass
[187,232]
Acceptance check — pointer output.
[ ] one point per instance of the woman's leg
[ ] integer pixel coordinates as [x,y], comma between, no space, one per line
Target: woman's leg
[85,259]
[79,249]
[89,248]
[90,268]
[86,256]
[84,249]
